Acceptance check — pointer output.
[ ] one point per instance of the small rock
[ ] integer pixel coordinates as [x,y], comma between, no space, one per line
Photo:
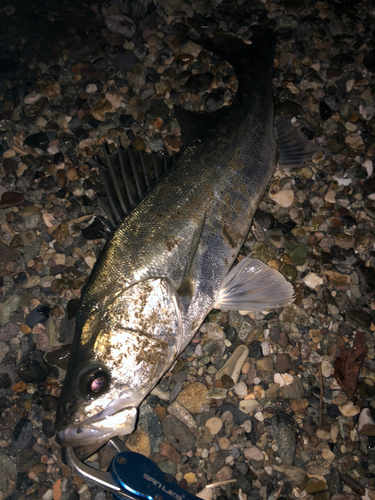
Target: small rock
[248,405]
[120,24]
[234,365]
[312,280]
[349,409]
[366,424]
[284,197]
[139,442]
[22,434]
[178,434]
[214,424]
[314,485]
[224,473]
[193,397]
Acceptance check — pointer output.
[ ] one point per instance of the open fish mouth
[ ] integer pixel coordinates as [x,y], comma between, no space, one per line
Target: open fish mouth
[100,431]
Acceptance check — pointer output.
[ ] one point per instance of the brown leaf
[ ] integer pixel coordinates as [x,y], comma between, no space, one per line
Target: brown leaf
[347,366]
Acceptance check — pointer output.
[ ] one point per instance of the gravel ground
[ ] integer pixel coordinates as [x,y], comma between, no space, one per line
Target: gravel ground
[277,404]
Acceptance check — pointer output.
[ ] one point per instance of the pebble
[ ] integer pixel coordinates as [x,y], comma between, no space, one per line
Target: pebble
[139,442]
[178,434]
[248,405]
[284,197]
[312,280]
[234,365]
[349,409]
[193,397]
[366,424]
[214,425]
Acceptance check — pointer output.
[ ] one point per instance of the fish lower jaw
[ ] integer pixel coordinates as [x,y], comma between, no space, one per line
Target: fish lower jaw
[100,432]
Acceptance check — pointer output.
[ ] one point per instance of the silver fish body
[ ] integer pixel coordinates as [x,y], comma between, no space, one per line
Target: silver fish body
[159,275]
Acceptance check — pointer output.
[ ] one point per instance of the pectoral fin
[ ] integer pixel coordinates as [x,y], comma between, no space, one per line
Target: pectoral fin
[294,149]
[253,286]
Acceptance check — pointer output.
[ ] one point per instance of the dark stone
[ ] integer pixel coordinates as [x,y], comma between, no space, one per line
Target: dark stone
[361,317]
[48,185]
[26,459]
[126,120]
[39,140]
[369,61]
[214,100]
[325,111]
[38,315]
[58,158]
[289,109]
[71,308]
[124,62]
[199,82]
[348,220]
[59,357]
[100,228]
[5,381]
[48,427]
[336,142]
[68,145]
[10,165]
[333,411]
[159,109]
[49,403]
[178,434]
[22,434]
[255,349]
[265,219]
[34,370]
[11,199]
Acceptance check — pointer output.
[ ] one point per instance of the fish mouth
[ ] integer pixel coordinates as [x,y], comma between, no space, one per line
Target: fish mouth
[98,432]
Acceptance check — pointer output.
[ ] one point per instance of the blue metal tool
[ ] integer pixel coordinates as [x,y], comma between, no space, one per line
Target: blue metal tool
[131,476]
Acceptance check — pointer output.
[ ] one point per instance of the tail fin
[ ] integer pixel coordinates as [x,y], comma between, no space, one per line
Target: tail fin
[260,53]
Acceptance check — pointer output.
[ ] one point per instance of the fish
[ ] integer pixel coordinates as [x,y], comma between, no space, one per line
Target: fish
[169,261]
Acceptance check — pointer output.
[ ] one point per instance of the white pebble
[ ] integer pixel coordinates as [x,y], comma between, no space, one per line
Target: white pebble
[278,379]
[284,197]
[240,389]
[369,167]
[312,280]
[248,405]
[32,97]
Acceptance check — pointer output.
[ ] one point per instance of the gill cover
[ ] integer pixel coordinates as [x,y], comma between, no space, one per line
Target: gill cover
[124,353]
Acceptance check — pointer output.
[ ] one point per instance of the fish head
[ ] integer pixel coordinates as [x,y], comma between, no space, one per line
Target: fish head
[120,351]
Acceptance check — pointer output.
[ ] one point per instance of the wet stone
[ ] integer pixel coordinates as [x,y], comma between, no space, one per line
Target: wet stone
[11,199]
[39,140]
[22,434]
[34,370]
[255,349]
[325,111]
[295,390]
[178,434]
[336,142]
[363,318]
[38,315]
[265,219]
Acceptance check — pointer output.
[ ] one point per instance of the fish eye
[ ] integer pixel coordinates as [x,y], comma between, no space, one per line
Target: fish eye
[94,382]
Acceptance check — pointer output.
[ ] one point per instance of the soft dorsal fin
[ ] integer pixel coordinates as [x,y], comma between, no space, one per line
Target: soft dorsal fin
[127,176]
[194,122]
[294,149]
[253,286]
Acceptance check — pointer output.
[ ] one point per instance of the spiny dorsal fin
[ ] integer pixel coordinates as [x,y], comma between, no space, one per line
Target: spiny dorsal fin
[294,149]
[194,122]
[128,175]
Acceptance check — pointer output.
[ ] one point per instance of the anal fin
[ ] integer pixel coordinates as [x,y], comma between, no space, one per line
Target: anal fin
[251,285]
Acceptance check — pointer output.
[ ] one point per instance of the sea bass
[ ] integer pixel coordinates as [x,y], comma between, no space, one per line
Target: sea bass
[168,262]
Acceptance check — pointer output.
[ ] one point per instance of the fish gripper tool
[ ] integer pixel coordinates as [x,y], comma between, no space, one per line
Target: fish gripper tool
[131,476]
